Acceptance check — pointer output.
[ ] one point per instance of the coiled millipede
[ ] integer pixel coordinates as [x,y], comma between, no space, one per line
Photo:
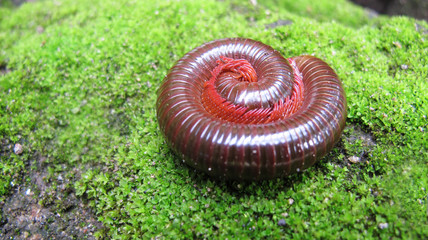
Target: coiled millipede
[235,108]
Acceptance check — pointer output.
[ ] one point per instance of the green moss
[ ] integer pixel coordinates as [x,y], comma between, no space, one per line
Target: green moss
[341,11]
[79,87]
[11,165]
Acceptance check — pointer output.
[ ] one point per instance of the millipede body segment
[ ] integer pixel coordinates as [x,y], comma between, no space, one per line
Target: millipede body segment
[235,108]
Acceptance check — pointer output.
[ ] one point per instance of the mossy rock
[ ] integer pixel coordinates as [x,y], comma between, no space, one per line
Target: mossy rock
[78,86]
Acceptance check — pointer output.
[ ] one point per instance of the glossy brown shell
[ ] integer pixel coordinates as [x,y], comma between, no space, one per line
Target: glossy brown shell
[251,151]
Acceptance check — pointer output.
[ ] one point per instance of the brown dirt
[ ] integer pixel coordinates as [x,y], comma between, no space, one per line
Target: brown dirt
[413,8]
[46,207]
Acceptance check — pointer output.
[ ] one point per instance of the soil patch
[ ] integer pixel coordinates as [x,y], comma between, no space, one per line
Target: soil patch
[46,208]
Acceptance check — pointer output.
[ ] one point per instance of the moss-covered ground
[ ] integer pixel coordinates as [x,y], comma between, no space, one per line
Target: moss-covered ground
[78,88]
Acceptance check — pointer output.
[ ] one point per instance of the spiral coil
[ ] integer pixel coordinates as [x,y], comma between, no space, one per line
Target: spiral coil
[235,108]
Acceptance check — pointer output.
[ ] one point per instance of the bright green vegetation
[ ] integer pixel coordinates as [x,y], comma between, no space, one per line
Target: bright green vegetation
[325,11]
[78,86]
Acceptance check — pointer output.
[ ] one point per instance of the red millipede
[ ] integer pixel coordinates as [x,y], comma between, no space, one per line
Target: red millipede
[235,108]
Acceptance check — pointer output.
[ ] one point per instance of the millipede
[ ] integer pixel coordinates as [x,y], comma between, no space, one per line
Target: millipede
[235,108]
